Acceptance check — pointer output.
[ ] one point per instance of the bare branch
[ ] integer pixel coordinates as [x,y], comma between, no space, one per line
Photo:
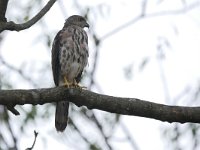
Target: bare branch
[3,8]
[124,106]
[13,110]
[19,71]
[17,27]
[144,15]
[35,134]
[94,68]
[144,7]
[79,132]
[12,134]
[8,124]
[100,127]
[129,136]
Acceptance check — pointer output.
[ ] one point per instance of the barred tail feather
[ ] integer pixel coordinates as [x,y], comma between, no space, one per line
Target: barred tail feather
[61,116]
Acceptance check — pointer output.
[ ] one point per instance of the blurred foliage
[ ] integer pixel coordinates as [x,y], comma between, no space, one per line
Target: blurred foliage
[101,126]
[30,115]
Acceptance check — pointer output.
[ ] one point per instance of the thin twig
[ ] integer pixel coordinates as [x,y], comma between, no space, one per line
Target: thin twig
[144,7]
[12,134]
[35,134]
[79,132]
[94,67]
[18,27]
[19,71]
[101,131]
[129,136]
[8,124]
[13,110]
[62,8]
[156,14]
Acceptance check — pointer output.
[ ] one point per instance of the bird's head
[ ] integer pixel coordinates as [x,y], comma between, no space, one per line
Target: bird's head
[76,20]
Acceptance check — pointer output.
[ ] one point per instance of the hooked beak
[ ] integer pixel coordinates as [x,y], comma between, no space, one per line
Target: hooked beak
[87,25]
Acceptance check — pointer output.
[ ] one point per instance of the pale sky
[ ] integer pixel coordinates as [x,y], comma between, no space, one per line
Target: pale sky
[129,46]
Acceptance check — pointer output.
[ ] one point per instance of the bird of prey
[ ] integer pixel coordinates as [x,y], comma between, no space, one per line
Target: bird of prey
[69,58]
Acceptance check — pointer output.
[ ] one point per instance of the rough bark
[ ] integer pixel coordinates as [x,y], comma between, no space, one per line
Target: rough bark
[18,27]
[119,105]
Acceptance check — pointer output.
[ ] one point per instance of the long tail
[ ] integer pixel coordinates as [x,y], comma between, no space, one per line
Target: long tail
[61,116]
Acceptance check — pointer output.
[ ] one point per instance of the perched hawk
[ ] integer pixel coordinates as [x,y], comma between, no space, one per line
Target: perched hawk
[69,58]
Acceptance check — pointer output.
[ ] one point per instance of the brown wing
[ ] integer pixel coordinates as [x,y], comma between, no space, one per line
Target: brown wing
[55,58]
[62,107]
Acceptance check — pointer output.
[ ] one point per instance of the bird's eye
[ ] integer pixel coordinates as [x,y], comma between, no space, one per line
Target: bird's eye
[81,19]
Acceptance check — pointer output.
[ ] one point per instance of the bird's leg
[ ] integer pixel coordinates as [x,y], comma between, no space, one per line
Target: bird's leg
[66,83]
[75,84]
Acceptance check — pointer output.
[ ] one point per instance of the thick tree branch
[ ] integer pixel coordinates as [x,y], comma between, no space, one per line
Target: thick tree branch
[124,106]
[17,27]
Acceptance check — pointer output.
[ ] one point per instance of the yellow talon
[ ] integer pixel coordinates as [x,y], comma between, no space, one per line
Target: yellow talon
[75,84]
[66,83]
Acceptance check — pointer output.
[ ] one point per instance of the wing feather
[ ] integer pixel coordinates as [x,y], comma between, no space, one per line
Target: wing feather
[55,58]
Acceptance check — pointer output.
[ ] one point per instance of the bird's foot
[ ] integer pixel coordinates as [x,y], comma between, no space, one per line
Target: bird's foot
[67,84]
[76,85]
